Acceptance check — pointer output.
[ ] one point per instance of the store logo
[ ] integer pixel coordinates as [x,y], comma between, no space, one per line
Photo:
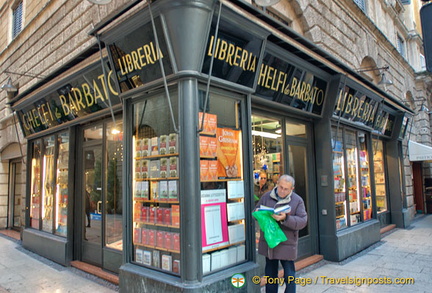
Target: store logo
[238,280]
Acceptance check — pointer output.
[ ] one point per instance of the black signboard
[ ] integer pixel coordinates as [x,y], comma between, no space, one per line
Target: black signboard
[86,94]
[235,54]
[356,106]
[136,57]
[282,82]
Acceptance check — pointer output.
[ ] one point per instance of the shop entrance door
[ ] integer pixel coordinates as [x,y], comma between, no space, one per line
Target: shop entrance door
[14,205]
[91,195]
[300,165]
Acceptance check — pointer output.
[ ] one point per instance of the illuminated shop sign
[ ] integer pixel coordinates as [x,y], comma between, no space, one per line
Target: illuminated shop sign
[136,57]
[356,106]
[282,82]
[81,96]
[235,55]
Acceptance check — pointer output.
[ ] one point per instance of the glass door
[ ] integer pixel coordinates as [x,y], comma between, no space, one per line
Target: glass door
[300,166]
[91,195]
[15,183]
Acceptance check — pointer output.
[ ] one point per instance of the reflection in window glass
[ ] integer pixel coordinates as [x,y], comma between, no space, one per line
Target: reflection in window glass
[296,129]
[35,185]
[48,184]
[62,184]
[114,196]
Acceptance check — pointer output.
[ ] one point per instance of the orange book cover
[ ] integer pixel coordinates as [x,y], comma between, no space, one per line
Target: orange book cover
[213,170]
[212,147]
[204,125]
[212,123]
[204,146]
[175,215]
[204,170]
[229,153]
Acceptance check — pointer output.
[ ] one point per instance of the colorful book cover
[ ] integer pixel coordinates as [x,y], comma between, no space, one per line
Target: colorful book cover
[212,123]
[154,146]
[175,215]
[156,258]
[167,262]
[139,255]
[163,168]
[176,266]
[147,258]
[145,147]
[159,216]
[167,216]
[204,168]
[163,190]
[154,187]
[176,241]
[204,146]
[172,143]
[163,143]
[144,236]
[212,148]
[212,170]
[145,168]
[154,169]
[172,190]
[228,153]
[160,239]
[173,165]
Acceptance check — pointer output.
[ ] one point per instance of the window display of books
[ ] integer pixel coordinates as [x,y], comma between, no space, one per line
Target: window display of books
[156,209]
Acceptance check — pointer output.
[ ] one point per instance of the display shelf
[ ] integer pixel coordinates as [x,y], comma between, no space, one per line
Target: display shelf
[157,247]
[223,246]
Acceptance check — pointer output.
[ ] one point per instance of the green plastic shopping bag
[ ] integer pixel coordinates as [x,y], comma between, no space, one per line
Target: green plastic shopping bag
[273,234]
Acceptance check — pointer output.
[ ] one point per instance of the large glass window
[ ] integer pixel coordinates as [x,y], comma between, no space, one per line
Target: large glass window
[62,193]
[156,208]
[351,169]
[223,195]
[379,172]
[267,153]
[49,184]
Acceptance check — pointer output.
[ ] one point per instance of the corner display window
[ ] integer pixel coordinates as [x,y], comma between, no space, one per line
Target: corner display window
[156,208]
[49,176]
[223,227]
[351,170]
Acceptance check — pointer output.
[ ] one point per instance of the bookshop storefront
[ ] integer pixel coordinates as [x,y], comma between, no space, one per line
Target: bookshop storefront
[74,168]
[211,99]
[206,96]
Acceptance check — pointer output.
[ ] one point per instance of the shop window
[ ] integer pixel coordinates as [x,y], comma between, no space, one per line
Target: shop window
[351,169]
[380,180]
[49,189]
[156,198]
[223,195]
[267,152]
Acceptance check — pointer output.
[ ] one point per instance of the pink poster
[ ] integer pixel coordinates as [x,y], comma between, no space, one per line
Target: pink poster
[214,226]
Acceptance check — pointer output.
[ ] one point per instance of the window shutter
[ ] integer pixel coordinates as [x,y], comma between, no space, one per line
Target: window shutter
[17,16]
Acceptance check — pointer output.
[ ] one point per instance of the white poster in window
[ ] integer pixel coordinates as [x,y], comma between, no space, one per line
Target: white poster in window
[235,211]
[235,189]
[214,225]
[236,233]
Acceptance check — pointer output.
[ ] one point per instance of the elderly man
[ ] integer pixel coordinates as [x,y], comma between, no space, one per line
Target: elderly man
[290,223]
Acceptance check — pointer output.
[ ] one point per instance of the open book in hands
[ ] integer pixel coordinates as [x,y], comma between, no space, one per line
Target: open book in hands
[280,209]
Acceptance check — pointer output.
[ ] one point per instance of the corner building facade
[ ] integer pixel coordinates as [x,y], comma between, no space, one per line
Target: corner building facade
[144,151]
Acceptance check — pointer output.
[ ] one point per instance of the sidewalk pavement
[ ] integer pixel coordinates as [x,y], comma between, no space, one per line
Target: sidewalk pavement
[23,271]
[402,255]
